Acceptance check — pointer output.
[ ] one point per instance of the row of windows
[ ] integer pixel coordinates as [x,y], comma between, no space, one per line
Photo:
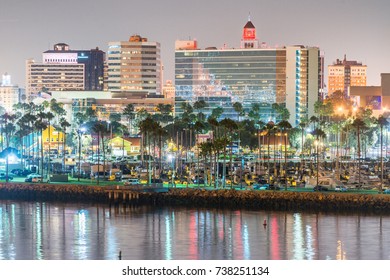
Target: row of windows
[51,66]
[240,53]
[241,71]
[154,65]
[133,76]
[230,65]
[60,60]
[132,52]
[226,60]
[56,140]
[133,81]
[134,58]
[191,78]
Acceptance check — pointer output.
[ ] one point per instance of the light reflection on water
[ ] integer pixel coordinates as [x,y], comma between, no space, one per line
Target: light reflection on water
[33,231]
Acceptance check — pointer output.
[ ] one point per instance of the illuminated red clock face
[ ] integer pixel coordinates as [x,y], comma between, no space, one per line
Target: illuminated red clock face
[249,34]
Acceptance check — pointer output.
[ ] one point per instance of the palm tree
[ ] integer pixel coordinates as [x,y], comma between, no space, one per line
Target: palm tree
[63,126]
[129,113]
[198,128]
[270,126]
[100,128]
[237,106]
[260,126]
[206,149]
[217,112]
[285,126]
[359,125]
[320,134]
[165,113]
[314,120]
[214,124]
[219,145]
[25,123]
[382,122]
[49,116]
[231,126]
[199,105]
[8,130]
[147,128]
[302,125]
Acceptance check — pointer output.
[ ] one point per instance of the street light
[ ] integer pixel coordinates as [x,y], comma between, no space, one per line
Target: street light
[80,133]
[316,144]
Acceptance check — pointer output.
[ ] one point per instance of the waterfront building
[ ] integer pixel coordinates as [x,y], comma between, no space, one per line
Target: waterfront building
[9,94]
[345,73]
[255,73]
[125,146]
[65,69]
[134,68]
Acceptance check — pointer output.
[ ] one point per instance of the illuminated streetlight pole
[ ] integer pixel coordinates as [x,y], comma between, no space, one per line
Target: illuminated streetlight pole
[316,143]
[80,133]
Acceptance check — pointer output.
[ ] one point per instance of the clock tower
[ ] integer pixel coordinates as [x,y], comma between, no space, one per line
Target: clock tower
[249,40]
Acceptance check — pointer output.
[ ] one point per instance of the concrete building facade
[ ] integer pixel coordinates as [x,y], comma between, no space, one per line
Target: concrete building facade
[376,98]
[345,73]
[65,69]
[134,68]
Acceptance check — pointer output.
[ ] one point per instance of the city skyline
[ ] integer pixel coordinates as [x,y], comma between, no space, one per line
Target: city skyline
[357,29]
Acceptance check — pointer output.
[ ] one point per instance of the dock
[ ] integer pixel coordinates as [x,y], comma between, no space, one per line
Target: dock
[131,194]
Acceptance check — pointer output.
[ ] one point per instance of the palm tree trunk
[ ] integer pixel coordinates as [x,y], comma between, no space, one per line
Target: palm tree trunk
[41,152]
[285,160]
[358,154]
[63,152]
[98,161]
[381,187]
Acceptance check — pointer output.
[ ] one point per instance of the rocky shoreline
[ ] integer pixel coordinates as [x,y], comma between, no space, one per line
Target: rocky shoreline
[233,199]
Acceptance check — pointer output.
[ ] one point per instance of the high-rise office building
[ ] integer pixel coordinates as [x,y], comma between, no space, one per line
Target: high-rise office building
[9,94]
[345,73]
[289,76]
[134,68]
[66,69]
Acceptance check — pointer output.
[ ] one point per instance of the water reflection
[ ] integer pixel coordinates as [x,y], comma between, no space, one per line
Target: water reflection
[72,231]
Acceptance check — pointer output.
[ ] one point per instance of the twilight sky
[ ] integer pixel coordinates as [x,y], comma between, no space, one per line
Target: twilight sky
[358,28]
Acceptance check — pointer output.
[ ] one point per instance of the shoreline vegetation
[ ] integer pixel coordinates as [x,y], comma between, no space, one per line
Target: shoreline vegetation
[192,197]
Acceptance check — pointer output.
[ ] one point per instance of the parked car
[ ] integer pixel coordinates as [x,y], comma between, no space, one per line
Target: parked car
[273,187]
[3,176]
[20,172]
[340,189]
[320,188]
[131,181]
[34,178]
[156,181]
[259,186]
[199,180]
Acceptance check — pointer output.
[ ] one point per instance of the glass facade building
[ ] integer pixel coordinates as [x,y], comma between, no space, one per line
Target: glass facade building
[223,77]
[289,76]
[249,76]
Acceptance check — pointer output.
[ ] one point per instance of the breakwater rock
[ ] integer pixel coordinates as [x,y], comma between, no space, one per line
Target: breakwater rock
[276,200]
[233,199]
[52,192]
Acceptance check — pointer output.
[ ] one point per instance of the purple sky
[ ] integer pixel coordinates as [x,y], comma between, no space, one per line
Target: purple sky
[358,28]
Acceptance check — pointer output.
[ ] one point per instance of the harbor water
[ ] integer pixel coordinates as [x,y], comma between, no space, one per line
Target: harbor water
[75,231]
